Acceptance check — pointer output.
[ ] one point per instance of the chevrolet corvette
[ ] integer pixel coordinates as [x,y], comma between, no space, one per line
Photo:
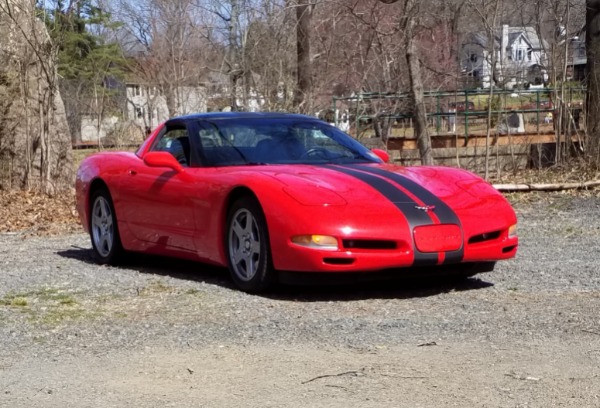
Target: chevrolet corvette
[267,193]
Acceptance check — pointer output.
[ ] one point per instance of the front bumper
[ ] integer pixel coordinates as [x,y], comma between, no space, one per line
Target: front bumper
[292,257]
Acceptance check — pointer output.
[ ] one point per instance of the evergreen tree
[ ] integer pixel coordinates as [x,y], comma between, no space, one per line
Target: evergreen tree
[89,63]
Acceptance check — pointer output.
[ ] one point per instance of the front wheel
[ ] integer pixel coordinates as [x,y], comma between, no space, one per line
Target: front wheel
[104,230]
[247,246]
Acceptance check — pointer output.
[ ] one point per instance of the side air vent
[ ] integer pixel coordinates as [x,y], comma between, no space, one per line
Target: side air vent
[488,236]
[368,244]
[338,261]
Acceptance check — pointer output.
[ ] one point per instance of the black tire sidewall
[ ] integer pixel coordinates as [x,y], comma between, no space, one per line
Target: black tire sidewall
[264,277]
[115,253]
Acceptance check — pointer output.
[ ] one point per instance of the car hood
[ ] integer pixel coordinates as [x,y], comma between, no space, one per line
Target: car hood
[345,180]
[376,187]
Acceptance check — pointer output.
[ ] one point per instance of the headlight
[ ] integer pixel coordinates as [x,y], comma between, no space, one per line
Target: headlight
[325,242]
[512,231]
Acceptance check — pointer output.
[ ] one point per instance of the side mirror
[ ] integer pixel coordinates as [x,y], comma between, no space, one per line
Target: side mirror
[162,159]
[382,154]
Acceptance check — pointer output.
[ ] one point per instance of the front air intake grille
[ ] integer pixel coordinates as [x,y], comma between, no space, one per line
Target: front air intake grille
[338,261]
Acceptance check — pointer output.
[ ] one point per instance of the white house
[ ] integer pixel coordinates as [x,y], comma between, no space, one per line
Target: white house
[520,57]
[146,108]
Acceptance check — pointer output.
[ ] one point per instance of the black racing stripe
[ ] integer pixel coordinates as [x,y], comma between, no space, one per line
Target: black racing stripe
[444,213]
[453,257]
[403,202]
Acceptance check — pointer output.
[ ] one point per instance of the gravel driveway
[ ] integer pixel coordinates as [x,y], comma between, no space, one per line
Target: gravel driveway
[159,332]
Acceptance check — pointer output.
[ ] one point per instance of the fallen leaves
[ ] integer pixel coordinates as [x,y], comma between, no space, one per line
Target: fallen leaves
[34,213]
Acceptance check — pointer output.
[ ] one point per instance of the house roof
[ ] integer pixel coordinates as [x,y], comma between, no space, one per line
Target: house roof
[514,33]
[531,35]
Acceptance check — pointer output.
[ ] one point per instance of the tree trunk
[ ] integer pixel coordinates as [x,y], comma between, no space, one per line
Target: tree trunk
[28,165]
[417,95]
[491,49]
[170,101]
[382,126]
[234,63]
[592,43]
[302,100]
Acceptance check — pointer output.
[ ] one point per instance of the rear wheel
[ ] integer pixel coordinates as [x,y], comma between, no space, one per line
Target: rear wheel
[247,246]
[104,231]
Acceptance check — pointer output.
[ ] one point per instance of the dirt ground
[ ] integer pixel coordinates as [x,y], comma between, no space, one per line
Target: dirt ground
[546,374]
[163,333]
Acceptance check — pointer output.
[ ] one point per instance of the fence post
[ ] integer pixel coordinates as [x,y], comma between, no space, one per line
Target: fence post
[466,115]
[537,113]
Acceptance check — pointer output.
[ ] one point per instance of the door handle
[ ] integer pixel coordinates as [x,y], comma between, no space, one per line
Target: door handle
[132,172]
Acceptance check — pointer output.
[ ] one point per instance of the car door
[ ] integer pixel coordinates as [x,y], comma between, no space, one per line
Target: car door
[159,201]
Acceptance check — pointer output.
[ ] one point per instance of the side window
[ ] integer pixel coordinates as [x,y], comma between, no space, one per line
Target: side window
[210,138]
[176,142]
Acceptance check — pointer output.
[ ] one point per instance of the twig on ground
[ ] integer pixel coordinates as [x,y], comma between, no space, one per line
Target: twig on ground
[516,376]
[408,377]
[355,373]
[336,386]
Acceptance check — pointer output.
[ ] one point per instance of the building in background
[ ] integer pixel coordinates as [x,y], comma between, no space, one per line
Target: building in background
[145,107]
[519,53]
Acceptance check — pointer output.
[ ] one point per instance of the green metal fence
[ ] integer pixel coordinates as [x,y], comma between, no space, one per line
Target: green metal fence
[465,107]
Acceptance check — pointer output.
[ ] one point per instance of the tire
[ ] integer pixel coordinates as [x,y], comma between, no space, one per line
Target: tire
[104,230]
[247,246]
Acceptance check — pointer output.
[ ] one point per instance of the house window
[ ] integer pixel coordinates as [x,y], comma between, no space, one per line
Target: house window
[139,112]
[473,58]
[529,53]
[135,90]
[519,55]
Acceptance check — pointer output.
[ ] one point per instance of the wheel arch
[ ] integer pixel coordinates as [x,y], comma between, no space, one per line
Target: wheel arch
[265,273]
[234,194]
[95,185]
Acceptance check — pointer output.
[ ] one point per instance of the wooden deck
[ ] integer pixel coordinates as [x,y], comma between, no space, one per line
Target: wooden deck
[507,152]
[474,140]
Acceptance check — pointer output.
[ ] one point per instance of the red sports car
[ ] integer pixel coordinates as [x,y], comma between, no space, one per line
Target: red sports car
[263,193]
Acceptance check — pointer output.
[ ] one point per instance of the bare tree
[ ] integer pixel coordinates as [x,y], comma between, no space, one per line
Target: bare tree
[408,23]
[489,13]
[269,55]
[592,42]
[411,8]
[44,142]
[303,94]
[165,40]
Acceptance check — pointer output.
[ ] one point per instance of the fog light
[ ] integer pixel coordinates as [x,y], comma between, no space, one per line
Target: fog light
[317,241]
[512,231]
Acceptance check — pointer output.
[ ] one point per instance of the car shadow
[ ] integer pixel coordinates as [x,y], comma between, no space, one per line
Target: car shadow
[159,265]
[315,288]
[373,286]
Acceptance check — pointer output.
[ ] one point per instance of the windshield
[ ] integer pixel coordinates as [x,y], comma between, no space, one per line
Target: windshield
[278,141]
